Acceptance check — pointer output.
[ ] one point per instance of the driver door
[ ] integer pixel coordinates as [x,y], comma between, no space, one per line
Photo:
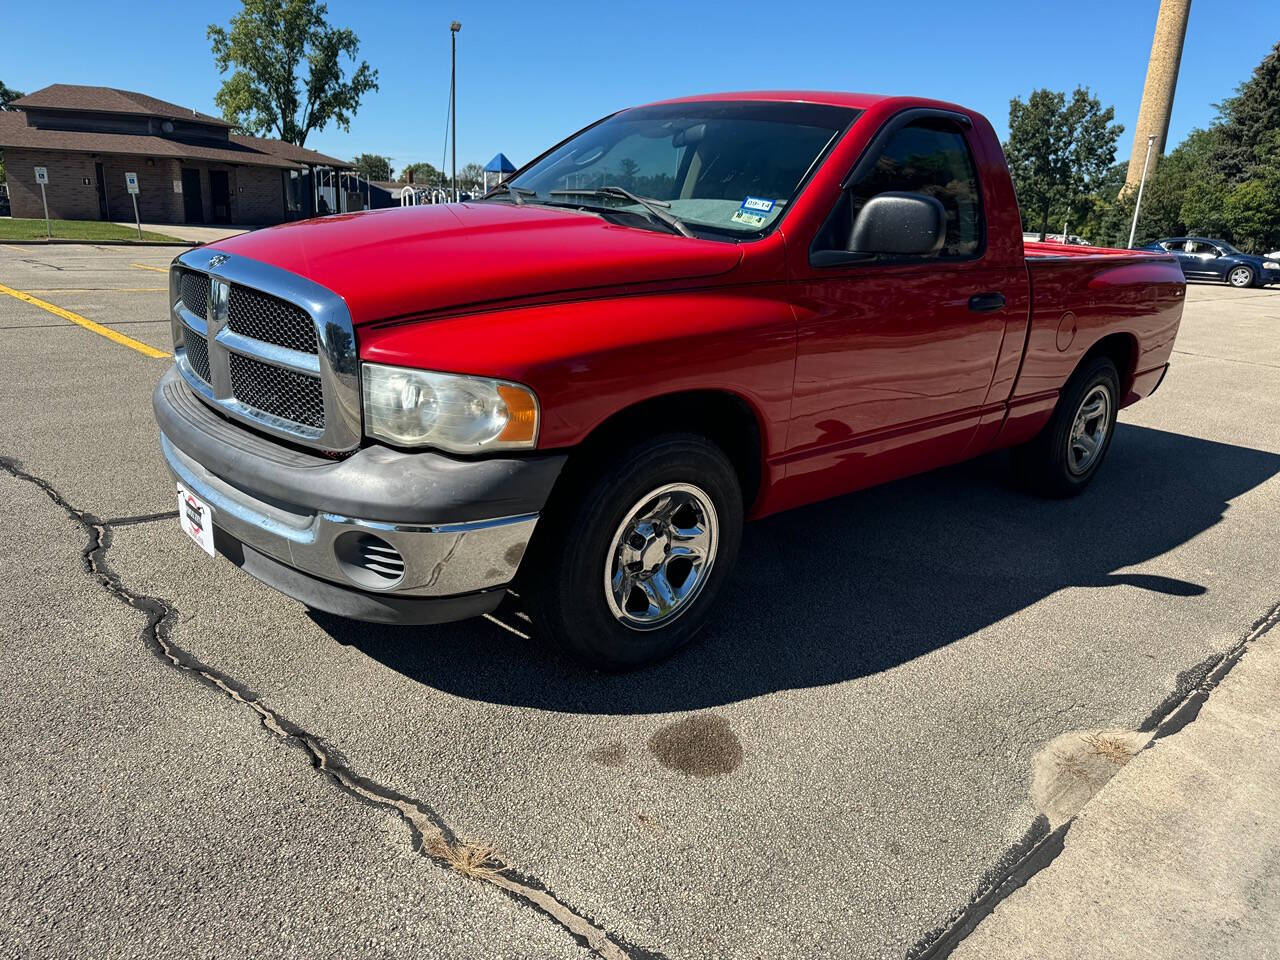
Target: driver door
[896,356]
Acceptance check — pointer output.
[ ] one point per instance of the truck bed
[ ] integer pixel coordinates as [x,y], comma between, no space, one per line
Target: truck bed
[1036,250]
[1080,294]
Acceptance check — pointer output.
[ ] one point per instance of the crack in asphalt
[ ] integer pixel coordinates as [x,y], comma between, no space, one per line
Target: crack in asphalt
[141,518]
[1210,356]
[1039,846]
[432,837]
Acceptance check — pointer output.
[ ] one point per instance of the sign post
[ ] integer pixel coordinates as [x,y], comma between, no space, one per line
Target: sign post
[131,182]
[42,177]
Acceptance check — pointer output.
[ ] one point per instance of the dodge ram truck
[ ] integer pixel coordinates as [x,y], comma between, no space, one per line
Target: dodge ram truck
[578,386]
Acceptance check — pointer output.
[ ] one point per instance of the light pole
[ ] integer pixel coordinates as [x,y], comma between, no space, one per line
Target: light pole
[1141,184]
[453,98]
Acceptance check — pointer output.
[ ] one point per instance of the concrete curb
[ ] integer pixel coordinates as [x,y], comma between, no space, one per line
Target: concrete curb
[1040,846]
[55,241]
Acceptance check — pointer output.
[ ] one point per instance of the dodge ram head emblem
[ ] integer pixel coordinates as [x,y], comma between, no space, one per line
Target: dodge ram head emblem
[218,259]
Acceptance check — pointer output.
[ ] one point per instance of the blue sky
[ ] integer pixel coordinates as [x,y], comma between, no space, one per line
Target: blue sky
[529,73]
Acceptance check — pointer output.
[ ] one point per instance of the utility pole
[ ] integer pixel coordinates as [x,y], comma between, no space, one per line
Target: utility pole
[453,98]
[1151,139]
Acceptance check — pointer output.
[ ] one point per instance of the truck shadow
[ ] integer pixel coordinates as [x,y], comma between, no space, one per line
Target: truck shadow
[858,585]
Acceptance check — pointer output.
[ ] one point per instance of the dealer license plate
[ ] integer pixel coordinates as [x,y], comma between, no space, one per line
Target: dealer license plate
[196,519]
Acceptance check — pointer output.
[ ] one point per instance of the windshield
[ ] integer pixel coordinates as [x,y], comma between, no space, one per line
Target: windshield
[724,169]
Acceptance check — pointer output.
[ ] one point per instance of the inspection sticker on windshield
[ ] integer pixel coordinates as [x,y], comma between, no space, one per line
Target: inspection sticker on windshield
[753,212]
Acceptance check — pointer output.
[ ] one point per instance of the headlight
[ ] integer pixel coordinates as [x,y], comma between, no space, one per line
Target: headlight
[1270,265]
[414,408]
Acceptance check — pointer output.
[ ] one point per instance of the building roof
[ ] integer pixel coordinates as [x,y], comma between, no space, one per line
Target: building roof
[288,151]
[249,151]
[74,96]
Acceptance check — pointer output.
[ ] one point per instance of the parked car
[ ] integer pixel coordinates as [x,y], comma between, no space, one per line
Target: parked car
[1205,259]
[686,315]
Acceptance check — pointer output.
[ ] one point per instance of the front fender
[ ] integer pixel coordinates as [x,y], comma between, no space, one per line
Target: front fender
[592,358]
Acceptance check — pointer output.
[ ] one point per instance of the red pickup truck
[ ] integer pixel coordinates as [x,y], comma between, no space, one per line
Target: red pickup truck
[686,315]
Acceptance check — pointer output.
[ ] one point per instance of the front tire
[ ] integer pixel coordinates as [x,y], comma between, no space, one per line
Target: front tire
[630,556]
[1065,456]
[1240,277]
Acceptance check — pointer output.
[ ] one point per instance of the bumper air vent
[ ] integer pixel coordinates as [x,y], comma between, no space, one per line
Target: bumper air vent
[369,560]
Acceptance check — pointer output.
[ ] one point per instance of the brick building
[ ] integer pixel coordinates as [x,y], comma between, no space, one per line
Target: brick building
[191,168]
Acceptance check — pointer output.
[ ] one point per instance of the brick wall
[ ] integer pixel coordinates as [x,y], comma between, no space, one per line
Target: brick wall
[256,193]
[70,198]
[155,189]
[259,195]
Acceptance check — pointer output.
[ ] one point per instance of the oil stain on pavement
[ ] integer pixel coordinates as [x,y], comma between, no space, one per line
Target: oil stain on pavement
[701,746]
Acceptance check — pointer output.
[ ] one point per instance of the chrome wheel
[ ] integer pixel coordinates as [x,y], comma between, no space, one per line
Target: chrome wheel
[661,556]
[1089,430]
[1241,277]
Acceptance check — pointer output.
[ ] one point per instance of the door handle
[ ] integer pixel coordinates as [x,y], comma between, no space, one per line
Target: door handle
[986,302]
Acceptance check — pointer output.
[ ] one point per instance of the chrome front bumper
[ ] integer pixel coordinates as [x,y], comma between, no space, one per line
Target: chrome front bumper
[440,559]
[318,529]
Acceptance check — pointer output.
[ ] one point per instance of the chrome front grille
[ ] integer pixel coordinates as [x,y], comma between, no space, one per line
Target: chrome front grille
[270,319]
[197,354]
[267,347]
[293,396]
[195,293]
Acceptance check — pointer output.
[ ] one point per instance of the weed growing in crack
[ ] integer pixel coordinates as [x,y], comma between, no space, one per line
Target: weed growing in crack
[1108,748]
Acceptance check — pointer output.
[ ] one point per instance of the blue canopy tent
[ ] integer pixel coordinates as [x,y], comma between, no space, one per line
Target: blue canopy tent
[499,165]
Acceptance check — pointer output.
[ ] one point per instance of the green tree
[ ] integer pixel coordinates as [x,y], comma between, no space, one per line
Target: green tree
[1184,194]
[1248,119]
[423,174]
[373,166]
[1220,182]
[267,44]
[1252,214]
[8,95]
[1057,149]
[471,177]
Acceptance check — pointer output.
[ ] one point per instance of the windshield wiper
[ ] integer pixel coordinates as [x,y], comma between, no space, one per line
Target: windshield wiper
[655,207]
[516,193]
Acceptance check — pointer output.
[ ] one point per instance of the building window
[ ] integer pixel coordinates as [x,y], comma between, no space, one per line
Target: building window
[292,192]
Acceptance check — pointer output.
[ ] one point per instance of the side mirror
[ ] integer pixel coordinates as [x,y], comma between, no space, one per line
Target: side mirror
[899,224]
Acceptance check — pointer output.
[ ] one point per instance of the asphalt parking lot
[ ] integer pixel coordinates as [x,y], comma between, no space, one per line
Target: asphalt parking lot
[191,765]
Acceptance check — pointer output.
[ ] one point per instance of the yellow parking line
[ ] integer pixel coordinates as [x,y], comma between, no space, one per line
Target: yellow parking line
[10,246]
[102,290]
[145,266]
[75,318]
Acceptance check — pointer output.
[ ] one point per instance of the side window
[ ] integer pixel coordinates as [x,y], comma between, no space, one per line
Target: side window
[929,157]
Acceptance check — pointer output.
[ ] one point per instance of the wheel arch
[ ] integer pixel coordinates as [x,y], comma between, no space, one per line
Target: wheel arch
[726,418]
[1122,350]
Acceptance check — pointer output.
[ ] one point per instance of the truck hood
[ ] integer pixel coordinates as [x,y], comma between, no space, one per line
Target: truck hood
[420,260]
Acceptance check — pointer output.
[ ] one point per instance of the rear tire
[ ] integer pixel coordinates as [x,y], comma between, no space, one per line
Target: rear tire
[1240,277]
[1064,457]
[630,556]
